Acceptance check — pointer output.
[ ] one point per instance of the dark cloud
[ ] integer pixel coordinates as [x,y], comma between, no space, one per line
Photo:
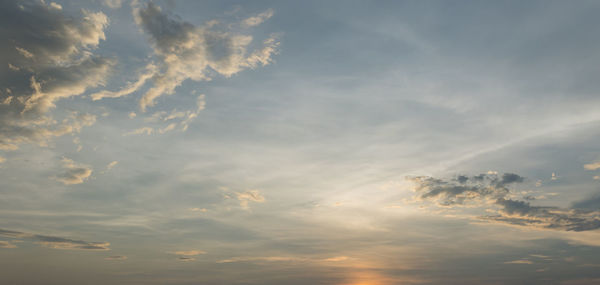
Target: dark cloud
[56,242]
[522,213]
[591,203]
[464,189]
[491,189]
[46,57]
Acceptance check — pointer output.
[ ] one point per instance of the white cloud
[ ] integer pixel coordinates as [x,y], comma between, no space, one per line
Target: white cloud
[111,165]
[258,19]
[190,252]
[592,166]
[250,196]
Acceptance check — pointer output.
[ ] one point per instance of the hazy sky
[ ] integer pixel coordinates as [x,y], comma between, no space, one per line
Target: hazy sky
[299,142]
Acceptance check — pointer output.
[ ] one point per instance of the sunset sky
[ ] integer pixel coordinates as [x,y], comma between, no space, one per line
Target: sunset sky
[299,142]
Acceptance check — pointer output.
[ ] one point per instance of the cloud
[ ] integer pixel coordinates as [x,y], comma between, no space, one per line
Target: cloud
[116,257]
[190,252]
[56,242]
[48,57]
[185,51]
[111,165]
[186,259]
[283,259]
[490,190]
[151,70]
[592,166]
[520,261]
[6,244]
[2,159]
[114,4]
[522,213]
[74,174]
[175,120]
[258,19]
[464,189]
[250,196]
[590,203]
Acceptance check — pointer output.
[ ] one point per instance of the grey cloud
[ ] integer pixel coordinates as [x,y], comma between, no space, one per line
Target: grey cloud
[464,189]
[56,242]
[491,189]
[48,57]
[189,52]
[522,213]
[591,203]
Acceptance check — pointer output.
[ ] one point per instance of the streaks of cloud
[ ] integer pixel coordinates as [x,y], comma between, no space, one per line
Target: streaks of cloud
[592,166]
[74,173]
[164,122]
[48,56]
[111,165]
[186,255]
[151,70]
[519,261]
[258,19]
[56,242]
[186,52]
[282,259]
[6,244]
[485,190]
[190,252]
[116,257]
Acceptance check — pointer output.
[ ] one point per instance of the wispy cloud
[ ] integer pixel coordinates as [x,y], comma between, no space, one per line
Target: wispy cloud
[519,261]
[56,242]
[258,19]
[116,257]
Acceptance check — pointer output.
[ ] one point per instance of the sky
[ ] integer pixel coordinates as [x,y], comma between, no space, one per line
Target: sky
[299,142]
